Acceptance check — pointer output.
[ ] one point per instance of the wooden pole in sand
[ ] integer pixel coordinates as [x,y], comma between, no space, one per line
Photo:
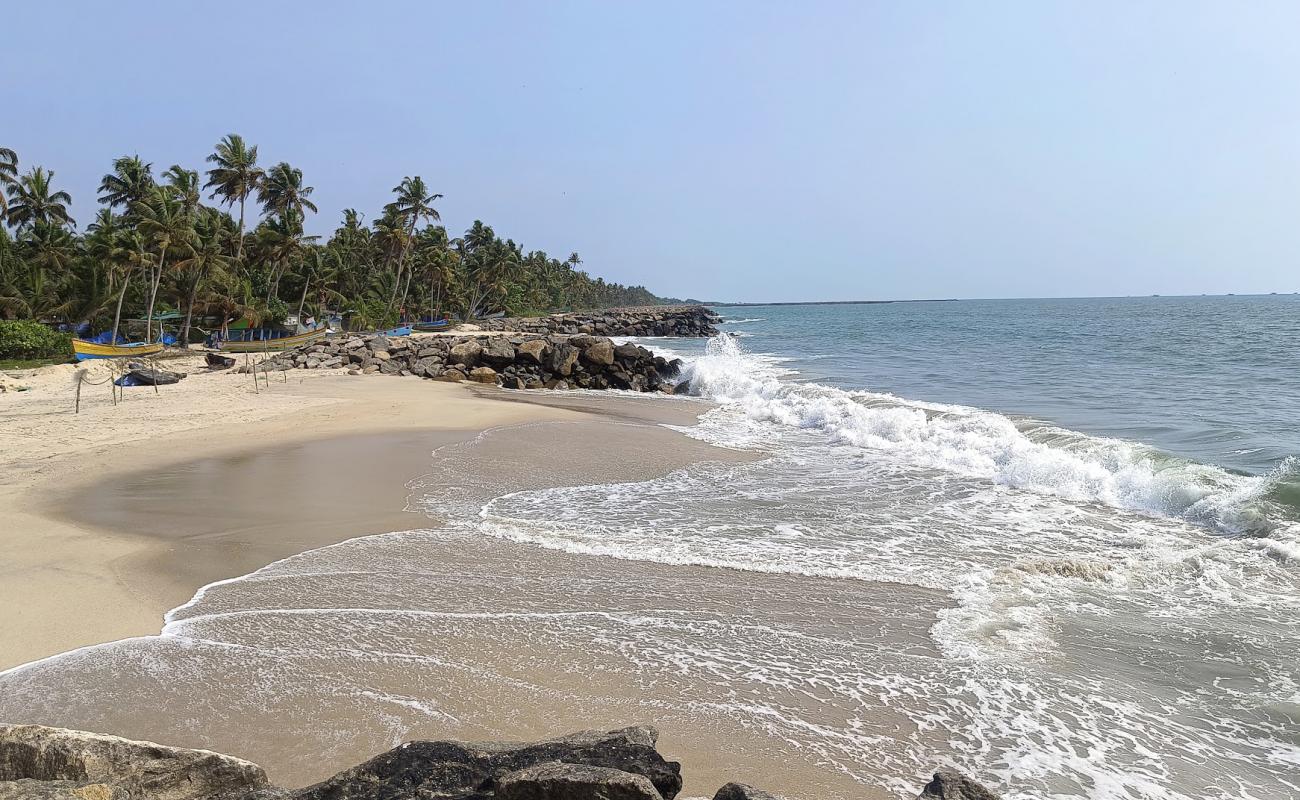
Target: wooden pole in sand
[81,376]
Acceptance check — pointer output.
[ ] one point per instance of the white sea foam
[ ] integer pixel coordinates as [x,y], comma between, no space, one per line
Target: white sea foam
[971,442]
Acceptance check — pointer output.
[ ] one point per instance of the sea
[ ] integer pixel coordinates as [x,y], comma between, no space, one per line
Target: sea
[1052,543]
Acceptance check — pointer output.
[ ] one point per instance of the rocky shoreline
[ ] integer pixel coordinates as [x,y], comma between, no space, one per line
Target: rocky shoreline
[41,763]
[563,351]
[679,321]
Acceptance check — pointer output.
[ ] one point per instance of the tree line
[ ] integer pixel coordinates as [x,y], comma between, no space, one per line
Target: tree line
[155,245]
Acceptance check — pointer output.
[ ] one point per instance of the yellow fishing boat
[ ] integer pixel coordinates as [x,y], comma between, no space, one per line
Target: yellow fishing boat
[271,345]
[85,350]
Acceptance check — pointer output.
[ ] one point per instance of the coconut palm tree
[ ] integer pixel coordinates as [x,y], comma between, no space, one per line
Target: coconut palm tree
[8,175]
[184,186]
[235,177]
[414,202]
[120,249]
[165,226]
[282,191]
[129,183]
[205,254]
[32,201]
[282,242]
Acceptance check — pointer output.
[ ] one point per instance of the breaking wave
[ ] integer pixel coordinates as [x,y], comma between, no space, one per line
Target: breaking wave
[1025,454]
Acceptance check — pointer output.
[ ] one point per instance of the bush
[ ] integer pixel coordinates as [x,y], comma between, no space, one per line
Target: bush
[25,339]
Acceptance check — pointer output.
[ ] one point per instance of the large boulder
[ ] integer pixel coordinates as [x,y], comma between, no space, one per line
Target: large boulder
[948,784]
[742,791]
[561,359]
[483,375]
[141,769]
[470,771]
[532,351]
[466,353]
[559,781]
[498,351]
[600,352]
[629,352]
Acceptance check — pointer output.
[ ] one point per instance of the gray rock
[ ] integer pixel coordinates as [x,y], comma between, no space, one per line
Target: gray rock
[469,771]
[742,791]
[559,781]
[142,769]
[466,353]
[380,355]
[628,352]
[599,352]
[498,351]
[28,789]
[533,350]
[483,375]
[949,784]
[561,359]
[452,374]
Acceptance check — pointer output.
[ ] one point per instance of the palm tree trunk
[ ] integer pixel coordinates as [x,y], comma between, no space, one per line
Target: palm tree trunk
[153,295]
[406,290]
[189,311]
[239,244]
[303,300]
[117,315]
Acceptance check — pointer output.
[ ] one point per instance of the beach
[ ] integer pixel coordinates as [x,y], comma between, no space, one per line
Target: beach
[119,514]
[70,583]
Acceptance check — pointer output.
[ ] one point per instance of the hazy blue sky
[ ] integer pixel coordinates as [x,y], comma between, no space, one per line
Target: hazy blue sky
[750,150]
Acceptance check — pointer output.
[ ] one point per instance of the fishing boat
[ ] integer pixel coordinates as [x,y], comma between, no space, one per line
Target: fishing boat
[85,350]
[252,343]
[400,330]
[435,325]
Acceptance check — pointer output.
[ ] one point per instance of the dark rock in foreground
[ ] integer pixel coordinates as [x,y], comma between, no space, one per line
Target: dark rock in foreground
[471,771]
[559,781]
[39,763]
[742,791]
[140,769]
[949,784]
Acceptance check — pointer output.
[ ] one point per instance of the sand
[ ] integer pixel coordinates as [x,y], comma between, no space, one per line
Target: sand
[65,583]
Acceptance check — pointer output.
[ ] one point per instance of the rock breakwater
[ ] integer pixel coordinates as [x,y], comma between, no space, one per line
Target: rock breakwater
[679,321]
[624,764]
[555,361]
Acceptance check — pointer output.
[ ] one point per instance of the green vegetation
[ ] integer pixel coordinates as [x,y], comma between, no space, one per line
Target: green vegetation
[24,340]
[156,247]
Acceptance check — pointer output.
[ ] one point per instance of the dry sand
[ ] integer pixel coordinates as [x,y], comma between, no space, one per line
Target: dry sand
[65,584]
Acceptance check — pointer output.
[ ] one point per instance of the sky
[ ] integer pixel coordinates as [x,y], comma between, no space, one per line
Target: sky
[747,151]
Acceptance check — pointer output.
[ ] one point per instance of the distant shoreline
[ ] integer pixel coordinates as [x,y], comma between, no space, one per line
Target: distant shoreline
[827,303]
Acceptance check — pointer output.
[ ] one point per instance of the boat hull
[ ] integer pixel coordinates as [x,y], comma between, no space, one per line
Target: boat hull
[273,345]
[85,350]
